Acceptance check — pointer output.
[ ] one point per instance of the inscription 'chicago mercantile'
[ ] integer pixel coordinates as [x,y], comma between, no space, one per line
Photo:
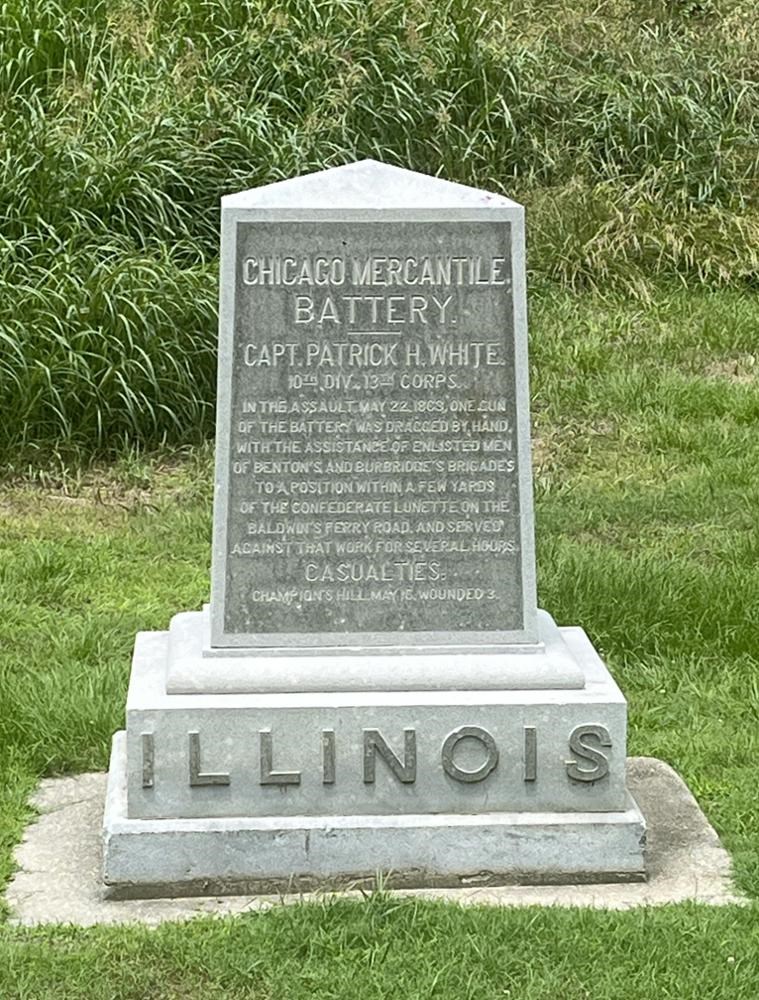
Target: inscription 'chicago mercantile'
[373,464]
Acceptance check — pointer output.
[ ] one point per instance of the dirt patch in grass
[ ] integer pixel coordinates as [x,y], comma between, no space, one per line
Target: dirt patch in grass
[743,370]
[129,485]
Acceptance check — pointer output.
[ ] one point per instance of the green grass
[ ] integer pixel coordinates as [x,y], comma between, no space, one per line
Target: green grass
[388,948]
[645,456]
[629,129]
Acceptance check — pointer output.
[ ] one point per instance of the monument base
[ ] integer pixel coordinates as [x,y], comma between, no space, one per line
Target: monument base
[191,857]
[254,792]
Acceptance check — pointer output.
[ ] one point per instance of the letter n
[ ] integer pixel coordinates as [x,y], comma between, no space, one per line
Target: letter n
[376,744]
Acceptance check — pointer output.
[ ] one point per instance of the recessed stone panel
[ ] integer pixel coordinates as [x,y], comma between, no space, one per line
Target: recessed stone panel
[372,450]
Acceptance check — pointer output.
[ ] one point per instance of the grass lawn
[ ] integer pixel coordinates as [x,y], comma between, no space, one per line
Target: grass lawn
[645,452]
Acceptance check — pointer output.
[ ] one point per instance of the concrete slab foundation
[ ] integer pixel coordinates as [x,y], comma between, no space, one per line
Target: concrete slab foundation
[60,857]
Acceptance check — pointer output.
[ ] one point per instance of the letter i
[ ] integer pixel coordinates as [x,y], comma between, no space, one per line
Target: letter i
[328,756]
[530,753]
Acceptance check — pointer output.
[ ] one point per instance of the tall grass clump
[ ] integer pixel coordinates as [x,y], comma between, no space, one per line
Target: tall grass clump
[629,129]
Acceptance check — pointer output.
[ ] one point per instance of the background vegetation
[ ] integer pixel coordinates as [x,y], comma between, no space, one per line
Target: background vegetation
[629,129]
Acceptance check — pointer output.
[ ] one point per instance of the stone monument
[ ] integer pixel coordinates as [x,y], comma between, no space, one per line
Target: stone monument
[372,690]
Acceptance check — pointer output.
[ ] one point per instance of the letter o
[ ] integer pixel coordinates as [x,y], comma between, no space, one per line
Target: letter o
[452,740]
[337,275]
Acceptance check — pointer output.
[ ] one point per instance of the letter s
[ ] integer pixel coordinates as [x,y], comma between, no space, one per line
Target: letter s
[580,748]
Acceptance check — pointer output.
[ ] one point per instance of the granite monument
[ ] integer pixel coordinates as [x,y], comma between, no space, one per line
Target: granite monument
[372,689]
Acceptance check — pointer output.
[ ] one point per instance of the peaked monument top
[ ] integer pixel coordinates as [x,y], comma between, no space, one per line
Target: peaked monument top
[366,184]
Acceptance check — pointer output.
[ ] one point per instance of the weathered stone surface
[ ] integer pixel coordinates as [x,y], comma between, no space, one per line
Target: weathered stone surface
[369,185]
[373,687]
[173,857]
[191,670]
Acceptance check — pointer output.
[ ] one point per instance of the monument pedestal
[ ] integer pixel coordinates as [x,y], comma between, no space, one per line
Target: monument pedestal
[213,793]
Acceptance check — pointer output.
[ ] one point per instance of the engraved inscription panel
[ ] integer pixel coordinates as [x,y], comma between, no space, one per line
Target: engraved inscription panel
[373,468]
